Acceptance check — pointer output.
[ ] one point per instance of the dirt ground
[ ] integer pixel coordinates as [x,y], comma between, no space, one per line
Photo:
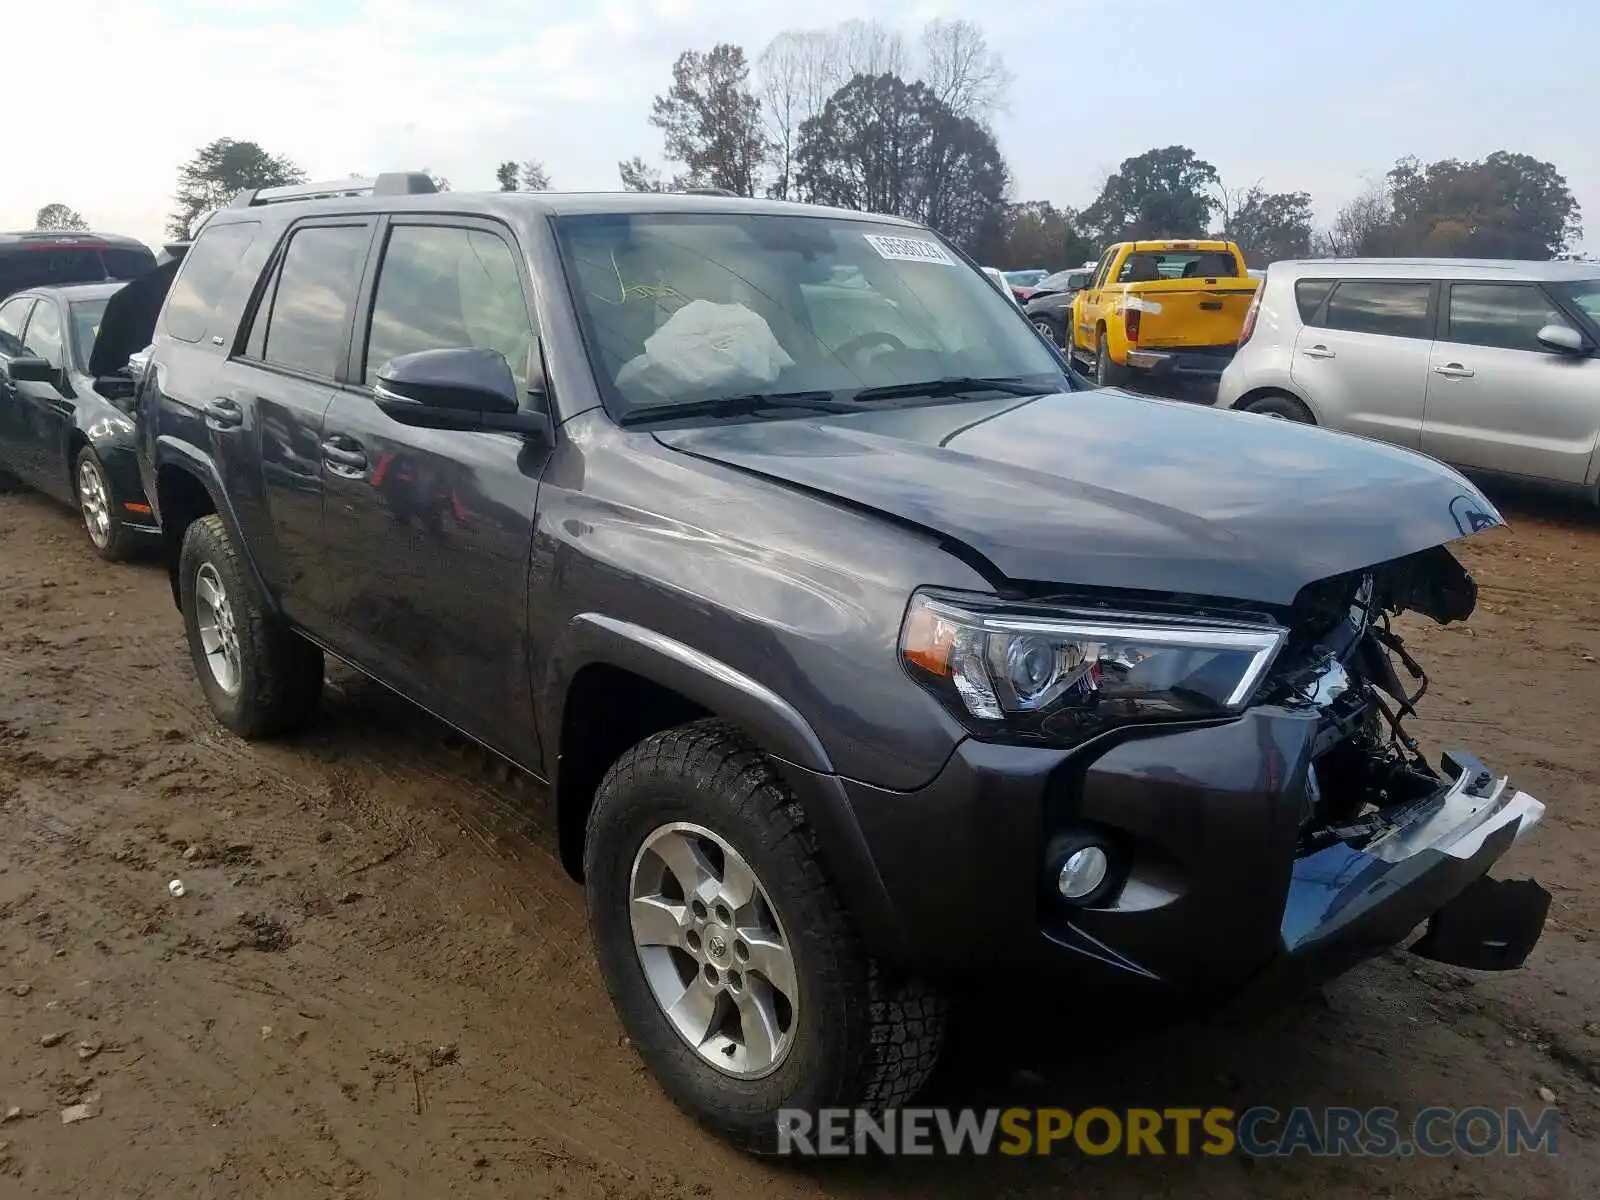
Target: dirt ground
[378,982]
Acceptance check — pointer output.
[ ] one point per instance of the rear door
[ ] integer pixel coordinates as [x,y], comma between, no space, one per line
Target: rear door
[13,320]
[1362,357]
[1498,400]
[270,400]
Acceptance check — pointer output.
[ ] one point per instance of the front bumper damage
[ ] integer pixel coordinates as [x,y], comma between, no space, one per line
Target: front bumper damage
[1218,904]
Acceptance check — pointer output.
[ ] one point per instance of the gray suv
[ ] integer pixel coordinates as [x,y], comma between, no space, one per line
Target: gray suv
[1490,366]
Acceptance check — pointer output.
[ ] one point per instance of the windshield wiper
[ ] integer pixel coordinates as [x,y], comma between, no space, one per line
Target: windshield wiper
[738,406]
[955,385]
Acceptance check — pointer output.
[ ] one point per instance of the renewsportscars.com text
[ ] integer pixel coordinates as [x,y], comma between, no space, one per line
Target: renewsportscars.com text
[1257,1132]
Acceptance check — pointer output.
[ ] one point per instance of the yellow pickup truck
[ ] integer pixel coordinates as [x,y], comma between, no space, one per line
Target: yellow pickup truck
[1167,308]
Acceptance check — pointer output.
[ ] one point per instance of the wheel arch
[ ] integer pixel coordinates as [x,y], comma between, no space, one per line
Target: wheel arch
[187,489]
[1262,391]
[613,683]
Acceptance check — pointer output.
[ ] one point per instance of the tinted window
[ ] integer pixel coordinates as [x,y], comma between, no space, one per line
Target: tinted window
[441,287]
[1393,308]
[204,277]
[1507,315]
[46,266]
[1178,264]
[44,334]
[126,262]
[13,316]
[1309,295]
[321,271]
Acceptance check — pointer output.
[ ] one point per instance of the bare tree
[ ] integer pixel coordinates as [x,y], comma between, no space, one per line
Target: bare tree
[870,48]
[59,216]
[534,176]
[959,68]
[1364,226]
[795,74]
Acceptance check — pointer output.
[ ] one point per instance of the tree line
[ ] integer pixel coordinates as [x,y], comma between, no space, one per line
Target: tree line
[858,116]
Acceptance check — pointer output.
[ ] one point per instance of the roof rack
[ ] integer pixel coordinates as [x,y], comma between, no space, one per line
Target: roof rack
[390,183]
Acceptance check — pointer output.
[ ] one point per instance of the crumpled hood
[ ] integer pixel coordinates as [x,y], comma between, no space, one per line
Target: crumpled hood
[1104,489]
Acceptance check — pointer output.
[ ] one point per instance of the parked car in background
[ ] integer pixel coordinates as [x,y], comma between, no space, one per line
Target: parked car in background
[1050,308]
[48,258]
[1023,282]
[63,429]
[1489,365]
[998,278]
[1170,309]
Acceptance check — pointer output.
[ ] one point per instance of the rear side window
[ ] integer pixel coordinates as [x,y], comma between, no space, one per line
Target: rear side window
[1506,315]
[311,305]
[203,279]
[1394,308]
[1309,295]
[126,262]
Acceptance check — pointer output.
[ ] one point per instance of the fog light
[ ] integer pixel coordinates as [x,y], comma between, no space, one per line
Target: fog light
[1083,872]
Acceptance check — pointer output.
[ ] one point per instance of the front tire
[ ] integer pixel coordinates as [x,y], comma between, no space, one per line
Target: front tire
[1051,329]
[731,962]
[260,677]
[101,508]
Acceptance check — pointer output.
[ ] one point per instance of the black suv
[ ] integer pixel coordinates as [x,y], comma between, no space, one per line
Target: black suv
[865,654]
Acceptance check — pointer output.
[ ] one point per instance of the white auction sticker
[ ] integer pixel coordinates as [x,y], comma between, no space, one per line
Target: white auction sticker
[907,249]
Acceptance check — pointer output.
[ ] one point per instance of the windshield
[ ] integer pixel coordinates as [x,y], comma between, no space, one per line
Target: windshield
[686,308]
[86,315]
[1024,278]
[1585,294]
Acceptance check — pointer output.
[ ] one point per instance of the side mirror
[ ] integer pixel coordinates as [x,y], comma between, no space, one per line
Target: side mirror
[1563,339]
[463,388]
[30,368]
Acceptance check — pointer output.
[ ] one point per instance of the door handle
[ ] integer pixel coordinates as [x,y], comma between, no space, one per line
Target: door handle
[341,452]
[1317,352]
[224,413]
[1453,371]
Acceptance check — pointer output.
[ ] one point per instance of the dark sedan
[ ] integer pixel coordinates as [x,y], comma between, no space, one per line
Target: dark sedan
[63,430]
[1050,305]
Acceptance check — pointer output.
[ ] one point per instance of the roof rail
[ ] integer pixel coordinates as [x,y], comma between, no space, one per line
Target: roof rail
[709,191]
[390,183]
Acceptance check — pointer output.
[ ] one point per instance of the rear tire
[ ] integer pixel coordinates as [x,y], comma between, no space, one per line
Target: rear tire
[1283,407]
[1106,372]
[101,508]
[261,678]
[853,1037]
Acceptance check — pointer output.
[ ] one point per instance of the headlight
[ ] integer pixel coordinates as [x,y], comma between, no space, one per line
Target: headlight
[1064,678]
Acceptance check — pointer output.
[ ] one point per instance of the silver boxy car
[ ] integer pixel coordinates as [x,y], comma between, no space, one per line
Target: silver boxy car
[1491,366]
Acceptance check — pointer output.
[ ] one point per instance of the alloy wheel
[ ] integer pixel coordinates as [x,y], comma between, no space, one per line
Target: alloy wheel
[219,636]
[714,954]
[94,500]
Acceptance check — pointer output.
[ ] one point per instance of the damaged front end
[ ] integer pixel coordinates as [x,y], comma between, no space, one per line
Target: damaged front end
[1389,842]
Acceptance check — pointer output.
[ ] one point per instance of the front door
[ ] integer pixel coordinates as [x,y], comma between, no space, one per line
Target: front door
[43,410]
[13,320]
[428,532]
[1498,399]
[1363,358]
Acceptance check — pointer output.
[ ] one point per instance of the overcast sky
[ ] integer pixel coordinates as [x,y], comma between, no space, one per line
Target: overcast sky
[1316,97]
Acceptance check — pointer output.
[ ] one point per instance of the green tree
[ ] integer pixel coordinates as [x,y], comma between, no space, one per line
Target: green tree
[638,176]
[1035,233]
[712,122]
[59,216]
[1503,206]
[1164,192]
[506,174]
[218,172]
[1269,226]
[886,146]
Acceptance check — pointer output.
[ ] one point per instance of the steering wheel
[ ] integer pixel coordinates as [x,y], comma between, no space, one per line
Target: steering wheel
[858,346]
